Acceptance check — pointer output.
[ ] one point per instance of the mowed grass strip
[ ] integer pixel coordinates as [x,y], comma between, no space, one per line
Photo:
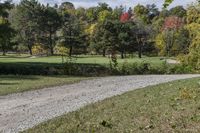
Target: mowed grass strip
[169,107]
[78,59]
[19,83]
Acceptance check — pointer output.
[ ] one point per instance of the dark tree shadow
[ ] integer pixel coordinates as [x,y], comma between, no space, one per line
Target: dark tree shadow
[9,83]
[50,69]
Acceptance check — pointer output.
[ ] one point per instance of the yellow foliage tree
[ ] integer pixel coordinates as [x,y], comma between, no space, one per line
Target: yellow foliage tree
[90,29]
[38,49]
[61,50]
[193,26]
[160,45]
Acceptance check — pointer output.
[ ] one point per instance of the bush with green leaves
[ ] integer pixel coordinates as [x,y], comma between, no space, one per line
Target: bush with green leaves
[193,58]
[38,49]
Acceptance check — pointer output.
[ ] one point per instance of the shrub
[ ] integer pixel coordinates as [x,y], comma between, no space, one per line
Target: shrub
[61,50]
[125,68]
[71,68]
[161,69]
[38,49]
[135,68]
[193,58]
[113,64]
[147,68]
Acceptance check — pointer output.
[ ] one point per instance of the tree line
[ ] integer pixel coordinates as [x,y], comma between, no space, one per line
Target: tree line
[63,29]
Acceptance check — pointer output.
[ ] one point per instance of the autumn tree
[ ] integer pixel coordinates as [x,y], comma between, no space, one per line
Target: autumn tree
[170,27]
[125,17]
[193,26]
[117,12]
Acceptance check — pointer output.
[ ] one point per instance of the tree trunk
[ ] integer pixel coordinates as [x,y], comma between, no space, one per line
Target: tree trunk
[104,52]
[30,50]
[4,47]
[70,51]
[51,43]
[139,47]
[140,51]
[51,50]
[4,52]
[70,34]
[122,54]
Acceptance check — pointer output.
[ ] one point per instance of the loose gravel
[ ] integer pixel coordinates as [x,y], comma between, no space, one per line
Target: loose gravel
[24,110]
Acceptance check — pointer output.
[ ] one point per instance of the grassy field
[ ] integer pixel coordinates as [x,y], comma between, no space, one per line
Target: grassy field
[83,65]
[79,59]
[88,65]
[13,84]
[169,107]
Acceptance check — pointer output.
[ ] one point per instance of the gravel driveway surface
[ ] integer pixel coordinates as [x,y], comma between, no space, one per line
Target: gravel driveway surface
[24,110]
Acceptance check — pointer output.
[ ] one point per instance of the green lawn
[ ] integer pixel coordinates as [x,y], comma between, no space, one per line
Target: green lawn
[13,84]
[79,59]
[169,107]
[83,64]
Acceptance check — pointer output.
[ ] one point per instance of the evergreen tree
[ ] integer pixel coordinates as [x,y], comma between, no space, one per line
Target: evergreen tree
[25,19]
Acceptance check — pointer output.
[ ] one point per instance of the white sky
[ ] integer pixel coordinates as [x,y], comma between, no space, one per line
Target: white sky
[113,3]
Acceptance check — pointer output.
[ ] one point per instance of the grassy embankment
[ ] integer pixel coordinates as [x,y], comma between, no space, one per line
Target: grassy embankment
[16,83]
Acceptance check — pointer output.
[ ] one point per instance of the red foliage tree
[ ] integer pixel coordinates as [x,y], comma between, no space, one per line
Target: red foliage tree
[173,22]
[125,17]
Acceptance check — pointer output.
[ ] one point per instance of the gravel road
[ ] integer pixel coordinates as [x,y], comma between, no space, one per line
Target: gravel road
[24,110]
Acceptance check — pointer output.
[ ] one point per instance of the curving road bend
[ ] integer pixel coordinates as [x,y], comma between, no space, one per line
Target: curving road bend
[24,110]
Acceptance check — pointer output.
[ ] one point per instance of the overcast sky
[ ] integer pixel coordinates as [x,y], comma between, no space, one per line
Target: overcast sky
[113,3]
